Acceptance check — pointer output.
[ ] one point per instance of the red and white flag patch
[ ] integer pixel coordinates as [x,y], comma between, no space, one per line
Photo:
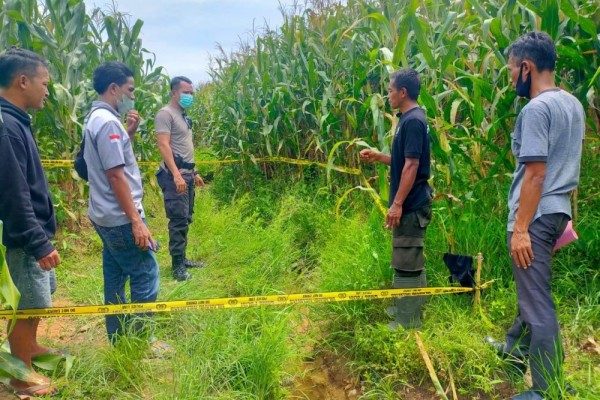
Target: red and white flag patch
[115,137]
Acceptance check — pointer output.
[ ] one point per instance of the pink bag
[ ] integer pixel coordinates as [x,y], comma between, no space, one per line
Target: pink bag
[568,236]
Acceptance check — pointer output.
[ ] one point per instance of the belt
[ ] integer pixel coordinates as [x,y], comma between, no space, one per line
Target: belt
[186,165]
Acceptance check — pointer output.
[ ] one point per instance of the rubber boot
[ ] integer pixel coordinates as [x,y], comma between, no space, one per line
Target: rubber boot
[178,268]
[408,309]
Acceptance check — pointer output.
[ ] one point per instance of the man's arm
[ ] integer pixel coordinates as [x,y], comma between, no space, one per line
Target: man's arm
[164,146]
[118,182]
[529,199]
[407,180]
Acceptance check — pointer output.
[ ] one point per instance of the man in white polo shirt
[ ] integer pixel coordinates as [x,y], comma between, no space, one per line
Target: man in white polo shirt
[115,204]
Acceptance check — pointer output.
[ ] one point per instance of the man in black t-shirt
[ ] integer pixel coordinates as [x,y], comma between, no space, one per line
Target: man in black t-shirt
[410,195]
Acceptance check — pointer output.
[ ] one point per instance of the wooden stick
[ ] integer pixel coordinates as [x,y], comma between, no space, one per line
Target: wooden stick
[452,385]
[436,382]
[478,280]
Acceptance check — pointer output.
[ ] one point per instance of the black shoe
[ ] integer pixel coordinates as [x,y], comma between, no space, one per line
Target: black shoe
[391,312]
[497,346]
[517,363]
[570,390]
[193,264]
[181,274]
[178,268]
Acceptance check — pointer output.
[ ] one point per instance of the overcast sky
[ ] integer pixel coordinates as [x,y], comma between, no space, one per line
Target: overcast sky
[182,33]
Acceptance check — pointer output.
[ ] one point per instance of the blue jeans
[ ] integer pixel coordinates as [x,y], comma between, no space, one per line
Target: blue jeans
[123,260]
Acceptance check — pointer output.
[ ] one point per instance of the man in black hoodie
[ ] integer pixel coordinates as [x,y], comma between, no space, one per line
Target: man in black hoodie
[26,206]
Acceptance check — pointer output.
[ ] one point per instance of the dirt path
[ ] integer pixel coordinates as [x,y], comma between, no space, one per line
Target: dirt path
[326,377]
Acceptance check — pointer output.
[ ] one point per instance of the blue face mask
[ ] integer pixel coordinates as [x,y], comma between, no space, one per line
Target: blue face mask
[186,100]
[125,105]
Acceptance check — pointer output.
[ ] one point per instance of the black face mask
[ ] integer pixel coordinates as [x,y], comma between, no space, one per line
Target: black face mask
[523,88]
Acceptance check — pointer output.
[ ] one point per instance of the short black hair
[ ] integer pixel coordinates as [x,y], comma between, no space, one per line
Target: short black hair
[409,79]
[535,46]
[175,82]
[19,61]
[111,72]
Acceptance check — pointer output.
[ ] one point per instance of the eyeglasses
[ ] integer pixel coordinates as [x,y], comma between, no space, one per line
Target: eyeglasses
[187,120]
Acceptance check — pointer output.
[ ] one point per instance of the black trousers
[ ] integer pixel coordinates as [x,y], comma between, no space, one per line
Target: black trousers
[179,208]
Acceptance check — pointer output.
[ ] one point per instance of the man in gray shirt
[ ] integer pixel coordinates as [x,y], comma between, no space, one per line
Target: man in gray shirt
[547,143]
[177,174]
[115,204]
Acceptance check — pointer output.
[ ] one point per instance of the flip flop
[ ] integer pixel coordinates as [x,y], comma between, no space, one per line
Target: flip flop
[57,352]
[54,352]
[32,391]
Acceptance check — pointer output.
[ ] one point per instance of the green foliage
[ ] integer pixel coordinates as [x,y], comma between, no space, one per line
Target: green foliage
[9,294]
[320,79]
[307,91]
[75,41]
[10,366]
[288,240]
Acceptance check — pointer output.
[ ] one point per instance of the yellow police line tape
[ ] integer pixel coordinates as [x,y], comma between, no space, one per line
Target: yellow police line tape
[232,302]
[347,170]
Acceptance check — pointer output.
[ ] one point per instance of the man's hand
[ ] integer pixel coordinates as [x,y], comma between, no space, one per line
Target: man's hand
[133,121]
[180,185]
[521,251]
[50,261]
[141,234]
[393,216]
[368,155]
[198,180]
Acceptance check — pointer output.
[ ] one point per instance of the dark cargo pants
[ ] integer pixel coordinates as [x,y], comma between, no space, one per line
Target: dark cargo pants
[535,332]
[179,208]
[408,261]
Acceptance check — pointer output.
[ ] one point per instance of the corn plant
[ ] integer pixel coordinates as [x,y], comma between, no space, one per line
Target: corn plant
[75,42]
[321,79]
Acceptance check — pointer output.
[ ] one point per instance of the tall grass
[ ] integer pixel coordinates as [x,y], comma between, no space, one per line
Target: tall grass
[285,238]
[300,92]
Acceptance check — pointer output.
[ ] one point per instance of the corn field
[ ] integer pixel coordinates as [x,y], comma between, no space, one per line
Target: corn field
[316,88]
[75,41]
